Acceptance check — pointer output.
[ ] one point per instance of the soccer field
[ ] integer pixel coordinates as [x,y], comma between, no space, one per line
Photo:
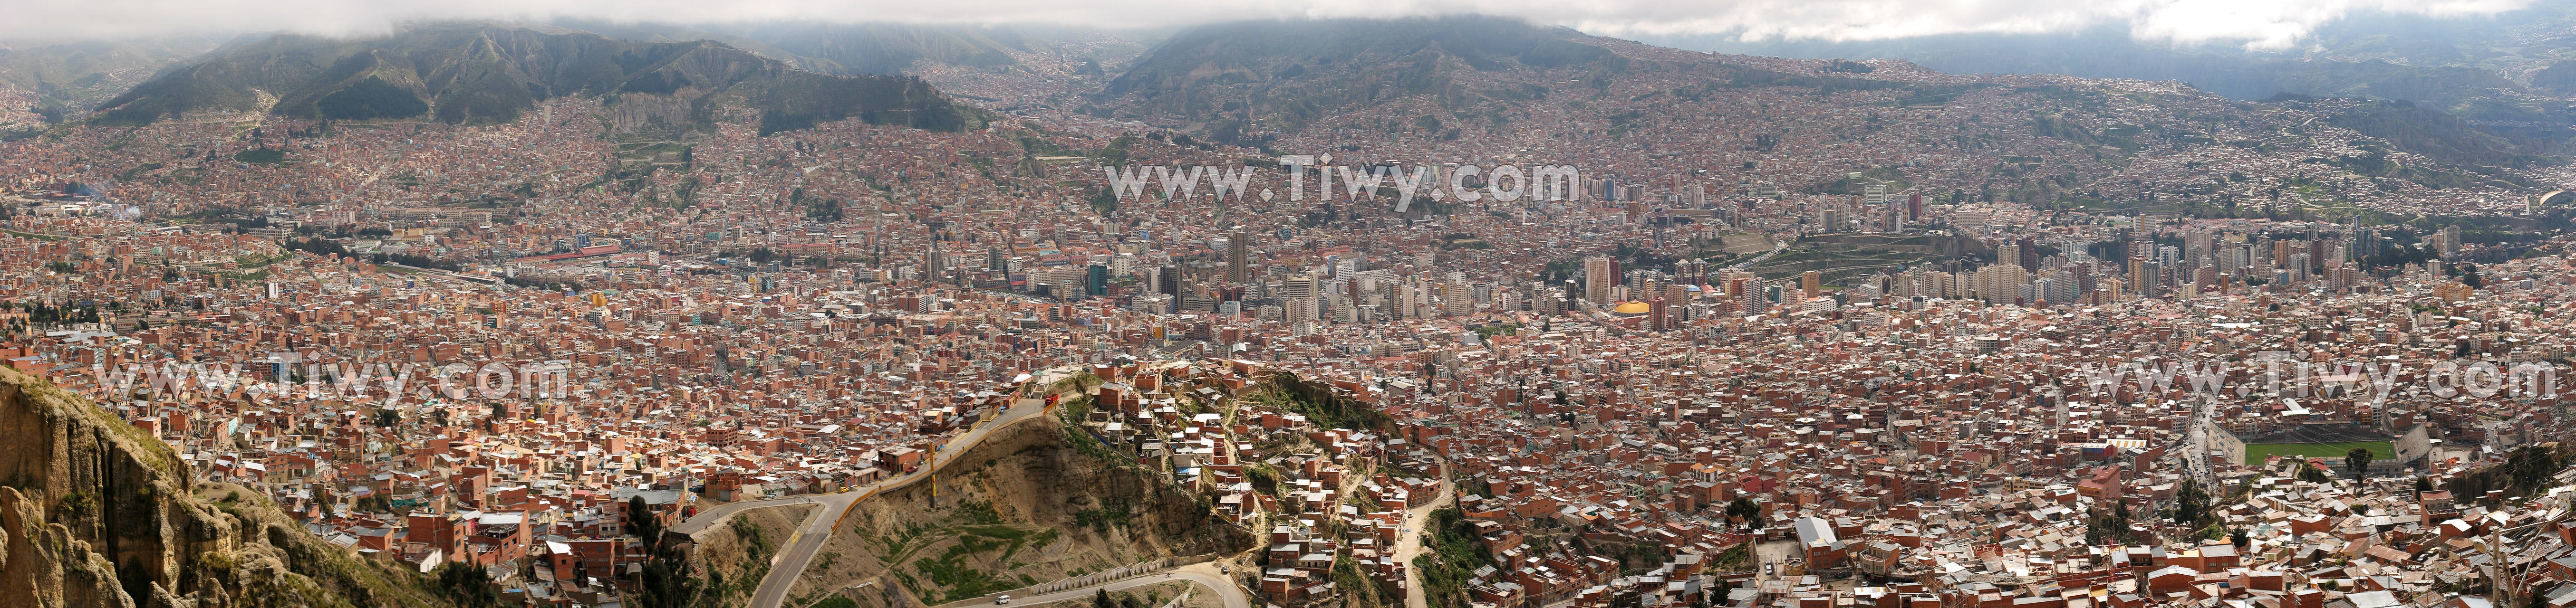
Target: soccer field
[2256,452]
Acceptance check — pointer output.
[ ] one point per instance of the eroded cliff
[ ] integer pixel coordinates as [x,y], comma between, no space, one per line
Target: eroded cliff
[94,512]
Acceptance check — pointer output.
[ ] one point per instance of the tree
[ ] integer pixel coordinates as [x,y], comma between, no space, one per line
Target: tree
[1744,508]
[640,521]
[665,581]
[468,584]
[2357,462]
[2107,526]
[2422,485]
[2191,504]
[2314,474]
[1100,599]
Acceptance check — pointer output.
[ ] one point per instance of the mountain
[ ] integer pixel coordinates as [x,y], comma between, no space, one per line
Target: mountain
[80,73]
[1286,74]
[847,49]
[475,73]
[2111,53]
[94,512]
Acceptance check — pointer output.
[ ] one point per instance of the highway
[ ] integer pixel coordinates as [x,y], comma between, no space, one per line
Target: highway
[790,563]
[1205,575]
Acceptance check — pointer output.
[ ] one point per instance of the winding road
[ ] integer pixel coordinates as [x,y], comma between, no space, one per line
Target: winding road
[809,537]
[1205,575]
[790,563]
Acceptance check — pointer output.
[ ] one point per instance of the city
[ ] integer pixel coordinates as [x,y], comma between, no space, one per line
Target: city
[1584,322]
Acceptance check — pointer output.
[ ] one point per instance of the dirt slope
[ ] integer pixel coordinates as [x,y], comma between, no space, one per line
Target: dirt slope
[1025,506]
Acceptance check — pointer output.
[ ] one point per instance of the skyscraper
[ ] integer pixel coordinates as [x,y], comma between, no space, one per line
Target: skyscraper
[1599,273]
[1238,255]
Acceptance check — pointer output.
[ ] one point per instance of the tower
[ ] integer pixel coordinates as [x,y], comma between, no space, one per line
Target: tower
[1599,273]
[1238,251]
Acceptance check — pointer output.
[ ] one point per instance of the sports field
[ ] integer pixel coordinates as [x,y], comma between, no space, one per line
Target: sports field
[2256,452]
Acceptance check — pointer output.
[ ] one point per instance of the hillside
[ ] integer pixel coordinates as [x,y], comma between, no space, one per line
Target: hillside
[1289,74]
[80,73]
[480,73]
[95,513]
[1030,504]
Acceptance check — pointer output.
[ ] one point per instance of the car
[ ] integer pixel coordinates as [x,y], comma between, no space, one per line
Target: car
[844,490]
[1002,600]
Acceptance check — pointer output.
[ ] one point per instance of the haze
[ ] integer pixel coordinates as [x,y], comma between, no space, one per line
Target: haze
[2258,24]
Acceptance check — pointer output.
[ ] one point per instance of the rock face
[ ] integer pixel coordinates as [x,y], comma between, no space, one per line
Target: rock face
[94,512]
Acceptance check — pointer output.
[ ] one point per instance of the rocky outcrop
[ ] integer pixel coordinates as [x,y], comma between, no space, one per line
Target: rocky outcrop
[94,512]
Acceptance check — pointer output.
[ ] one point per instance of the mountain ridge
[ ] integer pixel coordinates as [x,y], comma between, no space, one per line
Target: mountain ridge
[481,73]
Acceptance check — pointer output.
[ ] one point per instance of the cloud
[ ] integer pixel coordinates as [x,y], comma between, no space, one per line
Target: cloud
[2254,23]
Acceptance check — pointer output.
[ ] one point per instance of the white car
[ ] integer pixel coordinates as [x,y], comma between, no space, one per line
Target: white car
[1002,600]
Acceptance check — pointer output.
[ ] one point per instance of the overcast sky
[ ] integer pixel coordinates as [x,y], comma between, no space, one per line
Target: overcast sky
[2255,23]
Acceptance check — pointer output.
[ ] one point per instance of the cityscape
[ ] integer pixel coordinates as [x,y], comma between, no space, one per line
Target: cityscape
[1438,311]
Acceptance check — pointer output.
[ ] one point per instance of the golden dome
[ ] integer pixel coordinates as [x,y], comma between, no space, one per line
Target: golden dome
[1633,307]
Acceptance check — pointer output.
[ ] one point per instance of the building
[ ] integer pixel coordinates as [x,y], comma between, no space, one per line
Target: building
[1599,274]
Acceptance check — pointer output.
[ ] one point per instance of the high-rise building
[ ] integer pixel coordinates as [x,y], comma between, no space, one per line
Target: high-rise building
[1810,284]
[1238,255]
[934,263]
[1599,273]
[1167,280]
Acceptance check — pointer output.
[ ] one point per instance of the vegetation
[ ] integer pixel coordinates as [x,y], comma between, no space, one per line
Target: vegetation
[470,586]
[260,155]
[1456,551]
[415,261]
[369,99]
[665,581]
[2357,462]
[1281,392]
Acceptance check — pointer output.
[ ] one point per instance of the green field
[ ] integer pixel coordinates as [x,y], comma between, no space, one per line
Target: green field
[2256,452]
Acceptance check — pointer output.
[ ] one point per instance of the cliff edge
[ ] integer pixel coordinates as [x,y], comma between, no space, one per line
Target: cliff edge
[94,512]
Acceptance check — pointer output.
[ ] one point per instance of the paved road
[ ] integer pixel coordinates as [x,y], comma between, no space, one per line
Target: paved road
[2198,458]
[1206,575]
[710,517]
[790,564]
[1410,544]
